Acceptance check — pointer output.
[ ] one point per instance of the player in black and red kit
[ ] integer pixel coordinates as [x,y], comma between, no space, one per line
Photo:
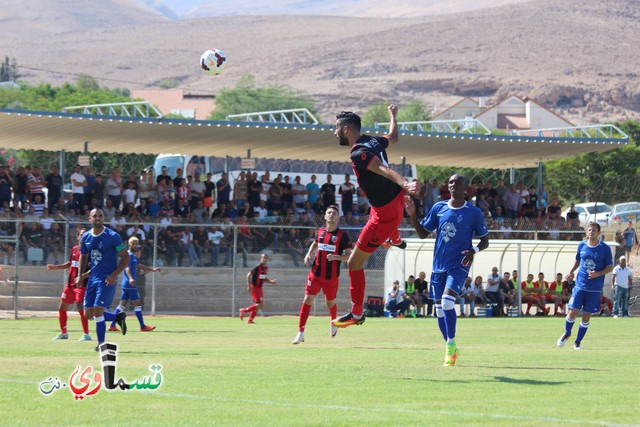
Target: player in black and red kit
[255,279]
[71,293]
[331,246]
[385,189]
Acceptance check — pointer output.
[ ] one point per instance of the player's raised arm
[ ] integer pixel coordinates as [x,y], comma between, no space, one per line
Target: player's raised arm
[392,136]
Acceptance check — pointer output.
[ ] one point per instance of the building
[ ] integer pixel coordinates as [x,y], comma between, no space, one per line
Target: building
[176,101]
[511,113]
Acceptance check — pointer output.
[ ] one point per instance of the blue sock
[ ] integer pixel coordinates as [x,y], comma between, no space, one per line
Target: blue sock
[441,324]
[109,316]
[582,330]
[450,318]
[138,311]
[568,326]
[101,328]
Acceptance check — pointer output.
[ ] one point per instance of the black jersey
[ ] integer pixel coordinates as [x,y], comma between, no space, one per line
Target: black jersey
[378,189]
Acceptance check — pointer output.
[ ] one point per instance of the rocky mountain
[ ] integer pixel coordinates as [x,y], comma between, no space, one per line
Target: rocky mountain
[578,58]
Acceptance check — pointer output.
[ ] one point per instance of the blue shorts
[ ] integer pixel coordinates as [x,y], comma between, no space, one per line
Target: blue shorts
[589,302]
[130,294]
[452,279]
[98,294]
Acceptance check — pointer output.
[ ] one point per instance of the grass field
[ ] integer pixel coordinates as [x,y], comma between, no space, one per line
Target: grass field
[220,371]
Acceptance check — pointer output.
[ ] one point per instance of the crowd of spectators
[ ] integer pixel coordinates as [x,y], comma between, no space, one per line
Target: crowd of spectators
[194,214]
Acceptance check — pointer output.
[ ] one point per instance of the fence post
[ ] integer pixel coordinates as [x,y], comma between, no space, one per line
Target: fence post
[15,282]
[234,269]
[155,264]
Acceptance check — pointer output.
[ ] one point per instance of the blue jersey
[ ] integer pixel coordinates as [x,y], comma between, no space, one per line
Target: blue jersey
[103,252]
[455,227]
[595,258]
[133,268]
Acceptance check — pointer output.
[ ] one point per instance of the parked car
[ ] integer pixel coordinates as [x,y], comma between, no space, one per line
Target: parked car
[592,211]
[625,212]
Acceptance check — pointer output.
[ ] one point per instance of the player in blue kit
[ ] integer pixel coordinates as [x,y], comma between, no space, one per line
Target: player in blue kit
[101,247]
[593,262]
[129,287]
[455,223]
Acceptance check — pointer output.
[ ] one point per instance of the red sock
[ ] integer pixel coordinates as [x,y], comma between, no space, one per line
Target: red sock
[333,311]
[251,308]
[84,321]
[62,318]
[395,238]
[358,285]
[305,309]
[253,314]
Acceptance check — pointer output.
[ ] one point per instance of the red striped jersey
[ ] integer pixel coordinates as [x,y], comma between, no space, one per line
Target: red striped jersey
[258,274]
[74,260]
[329,242]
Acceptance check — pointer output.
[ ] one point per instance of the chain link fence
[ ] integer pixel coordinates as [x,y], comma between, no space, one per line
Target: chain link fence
[198,276]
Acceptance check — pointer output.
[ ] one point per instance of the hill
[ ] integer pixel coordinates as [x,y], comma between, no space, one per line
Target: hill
[573,57]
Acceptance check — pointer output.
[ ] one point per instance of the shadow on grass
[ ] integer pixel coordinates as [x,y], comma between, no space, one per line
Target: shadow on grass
[527,381]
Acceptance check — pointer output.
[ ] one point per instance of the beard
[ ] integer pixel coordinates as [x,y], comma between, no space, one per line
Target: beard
[342,140]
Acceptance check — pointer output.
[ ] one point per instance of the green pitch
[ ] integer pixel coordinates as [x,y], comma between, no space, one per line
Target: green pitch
[220,371]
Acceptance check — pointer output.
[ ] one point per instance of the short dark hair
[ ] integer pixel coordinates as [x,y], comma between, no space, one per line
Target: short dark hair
[333,207]
[350,119]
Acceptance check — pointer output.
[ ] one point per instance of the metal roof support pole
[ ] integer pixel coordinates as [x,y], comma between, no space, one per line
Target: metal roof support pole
[539,179]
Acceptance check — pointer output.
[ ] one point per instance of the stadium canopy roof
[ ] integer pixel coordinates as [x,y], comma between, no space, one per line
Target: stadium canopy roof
[49,131]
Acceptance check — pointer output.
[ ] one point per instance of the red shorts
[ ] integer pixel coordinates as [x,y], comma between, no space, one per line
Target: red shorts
[531,296]
[257,295]
[547,297]
[382,225]
[71,295]
[315,284]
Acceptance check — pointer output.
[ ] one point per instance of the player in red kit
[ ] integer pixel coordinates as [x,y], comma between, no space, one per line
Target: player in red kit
[385,189]
[71,293]
[255,280]
[330,247]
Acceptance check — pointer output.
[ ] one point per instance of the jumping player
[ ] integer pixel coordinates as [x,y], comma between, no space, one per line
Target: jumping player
[385,190]
[255,279]
[72,294]
[455,222]
[330,247]
[101,247]
[130,288]
[594,261]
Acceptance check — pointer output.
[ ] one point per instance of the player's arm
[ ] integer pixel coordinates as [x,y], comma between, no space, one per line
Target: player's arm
[576,264]
[149,269]
[410,207]
[249,280]
[58,266]
[272,281]
[593,274]
[122,264]
[342,257]
[470,253]
[82,262]
[376,166]
[392,136]
[312,249]
[127,271]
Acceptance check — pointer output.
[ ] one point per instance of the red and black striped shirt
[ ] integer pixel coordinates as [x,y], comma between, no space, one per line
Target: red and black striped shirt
[329,242]
[74,261]
[258,274]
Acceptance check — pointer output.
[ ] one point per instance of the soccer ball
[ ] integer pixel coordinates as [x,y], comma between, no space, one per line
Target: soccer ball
[213,61]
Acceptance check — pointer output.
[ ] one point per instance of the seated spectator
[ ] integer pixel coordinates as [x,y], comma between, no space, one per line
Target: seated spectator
[492,291]
[508,291]
[293,246]
[559,295]
[471,294]
[219,244]
[31,237]
[543,285]
[181,208]
[412,293]
[423,290]
[531,294]
[397,301]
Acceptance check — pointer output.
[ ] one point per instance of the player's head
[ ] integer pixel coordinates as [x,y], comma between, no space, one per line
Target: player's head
[332,213]
[559,277]
[458,186]
[347,123]
[133,243]
[81,231]
[593,230]
[264,258]
[529,277]
[96,216]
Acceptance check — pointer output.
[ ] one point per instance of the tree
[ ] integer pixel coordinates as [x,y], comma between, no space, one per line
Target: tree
[414,111]
[246,97]
[9,70]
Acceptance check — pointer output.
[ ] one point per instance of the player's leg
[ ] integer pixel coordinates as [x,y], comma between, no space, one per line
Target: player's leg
[137,309]
[438,282]
[62,315]
[305,310]
[104,297]
[357,280]
[575,304]
[259,303]
[79,295]
[590,308]
[122,305]
[330,290]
